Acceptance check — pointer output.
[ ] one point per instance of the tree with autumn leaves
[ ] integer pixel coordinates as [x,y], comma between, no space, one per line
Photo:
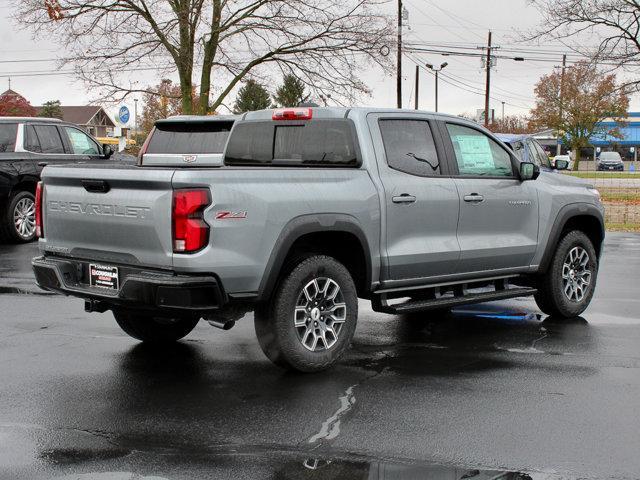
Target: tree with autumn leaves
[576,103]
[14,105]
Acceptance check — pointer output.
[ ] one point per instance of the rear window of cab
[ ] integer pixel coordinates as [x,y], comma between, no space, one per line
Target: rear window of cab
[189,137]
[316,143]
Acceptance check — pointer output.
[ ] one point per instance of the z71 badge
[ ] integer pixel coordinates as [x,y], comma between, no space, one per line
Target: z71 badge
[231,215]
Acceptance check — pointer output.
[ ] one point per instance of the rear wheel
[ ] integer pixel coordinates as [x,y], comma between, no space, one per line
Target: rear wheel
[152,328]
[311,318]
[567,287]
[18,223]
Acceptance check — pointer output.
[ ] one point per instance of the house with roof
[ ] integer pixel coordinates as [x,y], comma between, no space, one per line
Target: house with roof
[91,118]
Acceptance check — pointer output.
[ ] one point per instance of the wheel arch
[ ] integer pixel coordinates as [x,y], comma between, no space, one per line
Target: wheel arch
[24,183]
[321,234]
[584,217]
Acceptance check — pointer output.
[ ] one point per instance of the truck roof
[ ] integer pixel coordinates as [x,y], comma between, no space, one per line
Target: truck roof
[30,120]
[341,112]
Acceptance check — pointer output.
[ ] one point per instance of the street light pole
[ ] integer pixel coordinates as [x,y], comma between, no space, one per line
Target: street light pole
[135,120]
[436,70]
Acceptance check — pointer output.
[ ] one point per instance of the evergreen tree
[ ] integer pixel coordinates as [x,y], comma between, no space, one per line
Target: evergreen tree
[291,93]
[51,109]
[252,96]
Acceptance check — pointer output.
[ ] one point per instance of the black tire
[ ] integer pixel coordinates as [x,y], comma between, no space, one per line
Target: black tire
[282,342]
[8,231]
[147,327]
[551,297]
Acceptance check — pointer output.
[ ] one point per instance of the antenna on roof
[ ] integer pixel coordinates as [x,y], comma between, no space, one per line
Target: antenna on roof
[9,83]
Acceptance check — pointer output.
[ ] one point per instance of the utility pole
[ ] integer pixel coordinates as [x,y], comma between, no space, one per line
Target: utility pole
[488,85]
[399,73]
[417,85]
[564,66]
[503,114]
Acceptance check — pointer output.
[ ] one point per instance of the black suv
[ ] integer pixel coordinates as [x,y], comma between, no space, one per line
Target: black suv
[26,146]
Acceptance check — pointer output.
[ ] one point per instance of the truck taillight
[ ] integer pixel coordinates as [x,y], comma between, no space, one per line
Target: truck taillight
[190,231]
[39,200]
[292,114]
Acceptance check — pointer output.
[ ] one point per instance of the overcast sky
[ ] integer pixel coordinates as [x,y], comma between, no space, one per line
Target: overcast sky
[437,23]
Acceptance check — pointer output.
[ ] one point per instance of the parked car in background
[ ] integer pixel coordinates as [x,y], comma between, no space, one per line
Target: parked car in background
[610,161]
[566,158]
[26,146]
[187,140]
[527,149]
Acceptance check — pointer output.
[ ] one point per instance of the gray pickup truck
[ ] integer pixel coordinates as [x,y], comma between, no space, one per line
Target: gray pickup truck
[294,214]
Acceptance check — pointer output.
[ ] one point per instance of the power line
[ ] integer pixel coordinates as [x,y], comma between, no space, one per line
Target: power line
[461,86]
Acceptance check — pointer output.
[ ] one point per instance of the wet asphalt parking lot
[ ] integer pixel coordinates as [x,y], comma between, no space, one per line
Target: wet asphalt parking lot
[487,392]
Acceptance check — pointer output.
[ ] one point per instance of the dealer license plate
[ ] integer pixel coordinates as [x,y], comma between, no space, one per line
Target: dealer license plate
[103,276]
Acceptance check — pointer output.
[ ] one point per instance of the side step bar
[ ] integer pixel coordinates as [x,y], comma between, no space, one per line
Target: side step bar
[380,302]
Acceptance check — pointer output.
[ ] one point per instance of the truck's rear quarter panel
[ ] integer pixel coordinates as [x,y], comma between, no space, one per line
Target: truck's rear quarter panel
[240,248]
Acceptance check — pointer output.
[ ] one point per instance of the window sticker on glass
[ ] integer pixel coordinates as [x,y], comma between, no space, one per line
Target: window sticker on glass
[475,151]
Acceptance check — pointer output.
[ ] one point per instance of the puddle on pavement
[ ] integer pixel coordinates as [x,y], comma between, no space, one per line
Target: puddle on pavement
[282,466]
[29,451]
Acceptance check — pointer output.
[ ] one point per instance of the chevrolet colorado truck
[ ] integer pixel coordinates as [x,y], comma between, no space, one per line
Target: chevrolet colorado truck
[308,210]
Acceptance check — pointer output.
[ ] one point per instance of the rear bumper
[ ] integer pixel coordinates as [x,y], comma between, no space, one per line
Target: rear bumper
[139,288]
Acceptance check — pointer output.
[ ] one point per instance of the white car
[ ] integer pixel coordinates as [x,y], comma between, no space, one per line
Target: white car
[563,157]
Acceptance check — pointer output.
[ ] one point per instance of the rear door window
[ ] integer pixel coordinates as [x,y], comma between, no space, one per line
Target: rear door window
[43,139]
[8,132]
[189,137]
[316,143]
[409,147]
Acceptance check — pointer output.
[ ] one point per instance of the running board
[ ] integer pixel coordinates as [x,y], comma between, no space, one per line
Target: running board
[380,303]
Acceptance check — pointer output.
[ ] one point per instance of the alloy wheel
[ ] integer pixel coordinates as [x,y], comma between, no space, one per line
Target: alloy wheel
[24,218]
[319,315]
[576,275]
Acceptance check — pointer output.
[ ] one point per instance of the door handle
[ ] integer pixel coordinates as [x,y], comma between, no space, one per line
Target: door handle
[96,186]
[474,198]
[404,198]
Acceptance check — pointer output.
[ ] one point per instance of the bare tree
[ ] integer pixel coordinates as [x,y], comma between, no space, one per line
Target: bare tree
[323,41]
[613,25]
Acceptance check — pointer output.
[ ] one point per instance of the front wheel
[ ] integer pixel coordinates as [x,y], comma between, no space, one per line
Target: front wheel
[147,327]
[567,287]
[311,318]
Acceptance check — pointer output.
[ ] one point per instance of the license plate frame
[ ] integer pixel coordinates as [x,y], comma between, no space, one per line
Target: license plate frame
[104,276]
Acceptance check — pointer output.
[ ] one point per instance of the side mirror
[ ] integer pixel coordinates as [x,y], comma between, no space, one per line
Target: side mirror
[561,164]
[529,171]
[107,150]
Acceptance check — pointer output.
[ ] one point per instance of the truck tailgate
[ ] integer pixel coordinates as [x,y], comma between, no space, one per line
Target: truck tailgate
[118,215]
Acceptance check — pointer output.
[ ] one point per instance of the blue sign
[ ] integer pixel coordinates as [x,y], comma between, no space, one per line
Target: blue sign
[123,114]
